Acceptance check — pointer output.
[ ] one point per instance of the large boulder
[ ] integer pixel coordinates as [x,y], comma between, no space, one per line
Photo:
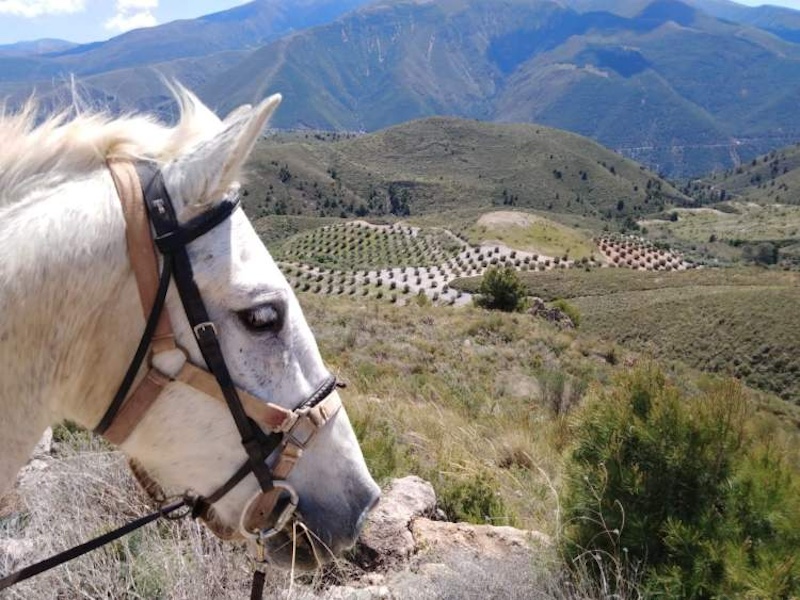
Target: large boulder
[387,537]
[401,528]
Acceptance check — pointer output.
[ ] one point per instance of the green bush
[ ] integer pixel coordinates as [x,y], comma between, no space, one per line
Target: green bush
[677,489]
[473,500]
[501,289]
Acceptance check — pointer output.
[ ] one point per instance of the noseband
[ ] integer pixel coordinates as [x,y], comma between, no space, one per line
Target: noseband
[273,437]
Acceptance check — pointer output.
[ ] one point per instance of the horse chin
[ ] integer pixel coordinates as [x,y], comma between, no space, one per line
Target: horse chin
[288,549]
[291,547]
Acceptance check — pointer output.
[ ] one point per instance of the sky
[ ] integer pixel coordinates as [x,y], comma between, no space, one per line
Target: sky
[93,20]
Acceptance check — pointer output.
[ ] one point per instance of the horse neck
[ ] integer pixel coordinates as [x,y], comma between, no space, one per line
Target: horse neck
[70,311]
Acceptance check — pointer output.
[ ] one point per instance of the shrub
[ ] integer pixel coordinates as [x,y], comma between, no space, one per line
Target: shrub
[501,289]
[473,500]
[676,489]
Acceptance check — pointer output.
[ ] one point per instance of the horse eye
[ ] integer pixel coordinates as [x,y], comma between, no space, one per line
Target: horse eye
[262,318]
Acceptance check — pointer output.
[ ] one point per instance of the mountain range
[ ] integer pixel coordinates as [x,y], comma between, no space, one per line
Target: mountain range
[682,86]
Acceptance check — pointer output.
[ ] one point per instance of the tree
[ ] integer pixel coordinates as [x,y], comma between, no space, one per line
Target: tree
[502,289]
[765,253]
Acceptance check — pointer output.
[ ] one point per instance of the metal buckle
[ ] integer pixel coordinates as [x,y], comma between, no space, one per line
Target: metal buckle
[200,328]
[283,518]
[160,206]
[302,431]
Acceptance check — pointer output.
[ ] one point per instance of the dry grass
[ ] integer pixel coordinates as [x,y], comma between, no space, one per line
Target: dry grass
[459,397]
[741,221]
[85,490]
[529,232]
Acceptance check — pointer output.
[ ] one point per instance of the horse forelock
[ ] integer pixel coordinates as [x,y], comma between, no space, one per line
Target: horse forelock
[71,143]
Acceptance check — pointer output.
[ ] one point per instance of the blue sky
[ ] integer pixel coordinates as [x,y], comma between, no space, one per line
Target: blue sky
[92,20]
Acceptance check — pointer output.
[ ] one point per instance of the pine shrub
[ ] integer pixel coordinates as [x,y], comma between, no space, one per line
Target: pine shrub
[501,289]
[679,490]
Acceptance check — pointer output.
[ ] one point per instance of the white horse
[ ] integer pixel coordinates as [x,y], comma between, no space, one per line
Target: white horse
[71,318]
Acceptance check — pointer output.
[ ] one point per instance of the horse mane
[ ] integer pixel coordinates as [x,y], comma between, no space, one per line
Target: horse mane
[72,142]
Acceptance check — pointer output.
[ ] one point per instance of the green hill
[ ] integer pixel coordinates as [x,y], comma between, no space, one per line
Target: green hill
[440,164]
[772,178]
[737,322]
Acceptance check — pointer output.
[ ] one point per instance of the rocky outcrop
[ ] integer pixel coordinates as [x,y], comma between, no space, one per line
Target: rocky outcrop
[387,537]
[406,553]
[539,309]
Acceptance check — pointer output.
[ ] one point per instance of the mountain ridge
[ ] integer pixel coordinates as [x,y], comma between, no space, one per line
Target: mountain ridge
[728,95]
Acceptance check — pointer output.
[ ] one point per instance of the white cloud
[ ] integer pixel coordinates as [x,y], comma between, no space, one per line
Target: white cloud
[136,5]
[132,14]
[36,8]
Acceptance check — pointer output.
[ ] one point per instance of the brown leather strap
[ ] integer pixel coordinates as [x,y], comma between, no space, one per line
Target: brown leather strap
[287,459]
[136,406]
[140,248]
[300,429]
[269,416]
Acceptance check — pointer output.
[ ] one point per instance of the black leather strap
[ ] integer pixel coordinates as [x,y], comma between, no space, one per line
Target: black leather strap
[75,552]
[172,241]
[165,222]
[257,588]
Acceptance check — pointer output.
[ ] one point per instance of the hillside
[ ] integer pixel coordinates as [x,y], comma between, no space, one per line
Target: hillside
[735,322]
[729,91]
[770,178]
[777,20]
[439,164]
[191,50]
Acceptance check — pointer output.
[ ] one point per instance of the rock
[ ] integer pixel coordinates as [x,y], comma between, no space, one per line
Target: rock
[387,537]
[479,541]
[538,308]
[44,446]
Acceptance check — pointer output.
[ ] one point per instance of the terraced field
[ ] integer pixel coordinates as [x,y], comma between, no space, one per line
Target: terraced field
[360,245]
[637,253]
[397,263]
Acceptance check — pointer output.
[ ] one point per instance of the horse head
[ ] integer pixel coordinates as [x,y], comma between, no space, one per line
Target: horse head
[187,440]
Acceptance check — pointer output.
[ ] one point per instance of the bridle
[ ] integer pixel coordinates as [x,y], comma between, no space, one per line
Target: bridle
[272,436]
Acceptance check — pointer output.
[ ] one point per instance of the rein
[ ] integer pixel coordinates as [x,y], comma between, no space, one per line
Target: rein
[273,437]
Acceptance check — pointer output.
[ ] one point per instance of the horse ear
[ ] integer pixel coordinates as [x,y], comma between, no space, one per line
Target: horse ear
[205,173]
[238,112]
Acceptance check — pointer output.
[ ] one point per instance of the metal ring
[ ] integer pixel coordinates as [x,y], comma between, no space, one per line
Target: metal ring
[263,534]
